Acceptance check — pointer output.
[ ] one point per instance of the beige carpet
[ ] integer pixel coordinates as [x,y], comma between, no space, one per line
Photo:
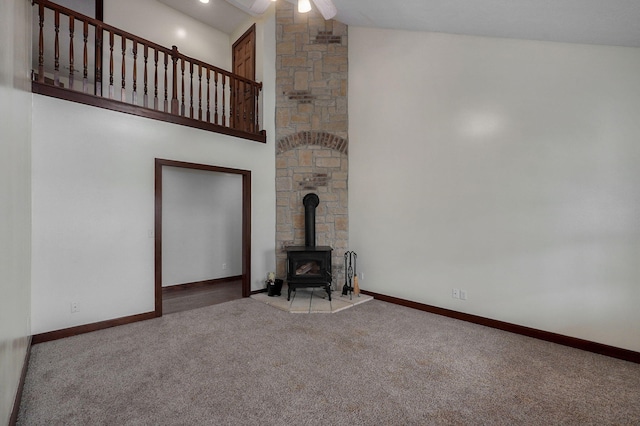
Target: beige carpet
[246,363]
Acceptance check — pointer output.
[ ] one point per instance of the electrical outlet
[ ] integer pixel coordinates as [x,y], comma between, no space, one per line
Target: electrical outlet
[75,307]
[362,276]
[455,293]
[224,266]
[463,294]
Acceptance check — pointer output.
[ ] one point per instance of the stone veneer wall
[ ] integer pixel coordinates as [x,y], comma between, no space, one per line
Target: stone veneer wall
[312,131]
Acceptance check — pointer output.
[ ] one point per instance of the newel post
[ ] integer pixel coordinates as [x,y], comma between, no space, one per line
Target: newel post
[175,106]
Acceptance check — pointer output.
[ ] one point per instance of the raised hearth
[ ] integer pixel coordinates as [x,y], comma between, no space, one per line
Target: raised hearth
[310,301]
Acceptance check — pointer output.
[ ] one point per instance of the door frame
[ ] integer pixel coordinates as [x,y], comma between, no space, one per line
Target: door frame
[246,223]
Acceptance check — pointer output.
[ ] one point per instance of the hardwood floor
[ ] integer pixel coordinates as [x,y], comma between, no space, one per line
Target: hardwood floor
[184,298]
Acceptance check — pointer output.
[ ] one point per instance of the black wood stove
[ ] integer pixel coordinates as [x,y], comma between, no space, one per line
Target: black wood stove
[309,265]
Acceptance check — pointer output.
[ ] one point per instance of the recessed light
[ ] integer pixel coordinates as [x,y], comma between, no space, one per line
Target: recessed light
[204,1]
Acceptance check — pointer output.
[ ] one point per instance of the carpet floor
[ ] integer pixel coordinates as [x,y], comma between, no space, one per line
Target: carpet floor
[246,363]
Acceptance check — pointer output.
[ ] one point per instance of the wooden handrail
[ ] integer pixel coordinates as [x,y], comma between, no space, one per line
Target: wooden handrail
[216,90]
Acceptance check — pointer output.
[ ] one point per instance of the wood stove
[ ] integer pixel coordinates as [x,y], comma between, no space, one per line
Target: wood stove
[309,265]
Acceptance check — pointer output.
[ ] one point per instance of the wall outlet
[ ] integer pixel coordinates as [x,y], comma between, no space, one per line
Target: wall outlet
[463,294]
[224,266]
[75,307]
[455,293]
[150,233]
[361,275]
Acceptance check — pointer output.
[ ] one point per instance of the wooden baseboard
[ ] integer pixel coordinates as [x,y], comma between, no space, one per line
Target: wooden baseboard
[206,283]
[87,328]
[560,339]
[264,290]
[13,420]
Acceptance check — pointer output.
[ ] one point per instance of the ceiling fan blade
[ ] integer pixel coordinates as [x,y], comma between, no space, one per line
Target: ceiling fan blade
[326,8]
[260,6]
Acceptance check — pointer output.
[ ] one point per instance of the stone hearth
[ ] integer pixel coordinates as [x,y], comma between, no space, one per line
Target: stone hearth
[311,301]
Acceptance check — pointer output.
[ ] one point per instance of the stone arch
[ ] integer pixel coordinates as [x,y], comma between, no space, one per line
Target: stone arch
[324,139]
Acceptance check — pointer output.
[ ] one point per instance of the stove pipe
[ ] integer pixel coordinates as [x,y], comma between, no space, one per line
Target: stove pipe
[310,202]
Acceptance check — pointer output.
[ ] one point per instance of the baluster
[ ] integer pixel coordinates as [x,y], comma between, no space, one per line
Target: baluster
[252,112]
[232,92]
[135,73]
[208,95]
[123,93]
[182,88]
[155,79]
[237,103]
[242,115]
[72,22]
[166,97]
[234,88]
[41,43]
[232,97]
[191,90]
[248,99]
[252,93]
[224,117]
[85,60]
[99,61]
[56,51]
[215,77]
[254,99]
[253,107]
[242,108]
[199,92]
[145,101]
[252,104]
[111,89]
[257,118]
[175,106]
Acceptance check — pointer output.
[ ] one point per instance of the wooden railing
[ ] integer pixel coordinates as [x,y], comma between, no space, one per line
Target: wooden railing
[140,77]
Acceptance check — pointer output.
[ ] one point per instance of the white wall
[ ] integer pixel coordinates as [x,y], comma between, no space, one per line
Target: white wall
[93,187]
[86,7]
[505,168]
[201,225]
[93,198]
[15,198]
[165,26]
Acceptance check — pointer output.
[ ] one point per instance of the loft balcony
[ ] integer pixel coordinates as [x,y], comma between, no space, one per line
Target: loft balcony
[84,60]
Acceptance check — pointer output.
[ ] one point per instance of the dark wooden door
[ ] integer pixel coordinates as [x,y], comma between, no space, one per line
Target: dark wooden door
[244,65]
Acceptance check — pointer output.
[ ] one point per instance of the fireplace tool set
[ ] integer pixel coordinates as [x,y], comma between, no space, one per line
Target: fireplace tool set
[350,286]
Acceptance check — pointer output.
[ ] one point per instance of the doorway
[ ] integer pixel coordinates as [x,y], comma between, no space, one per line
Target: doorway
[244,65]
[162,167]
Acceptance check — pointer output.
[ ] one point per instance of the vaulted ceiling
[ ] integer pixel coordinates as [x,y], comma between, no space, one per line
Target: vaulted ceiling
[608,22]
